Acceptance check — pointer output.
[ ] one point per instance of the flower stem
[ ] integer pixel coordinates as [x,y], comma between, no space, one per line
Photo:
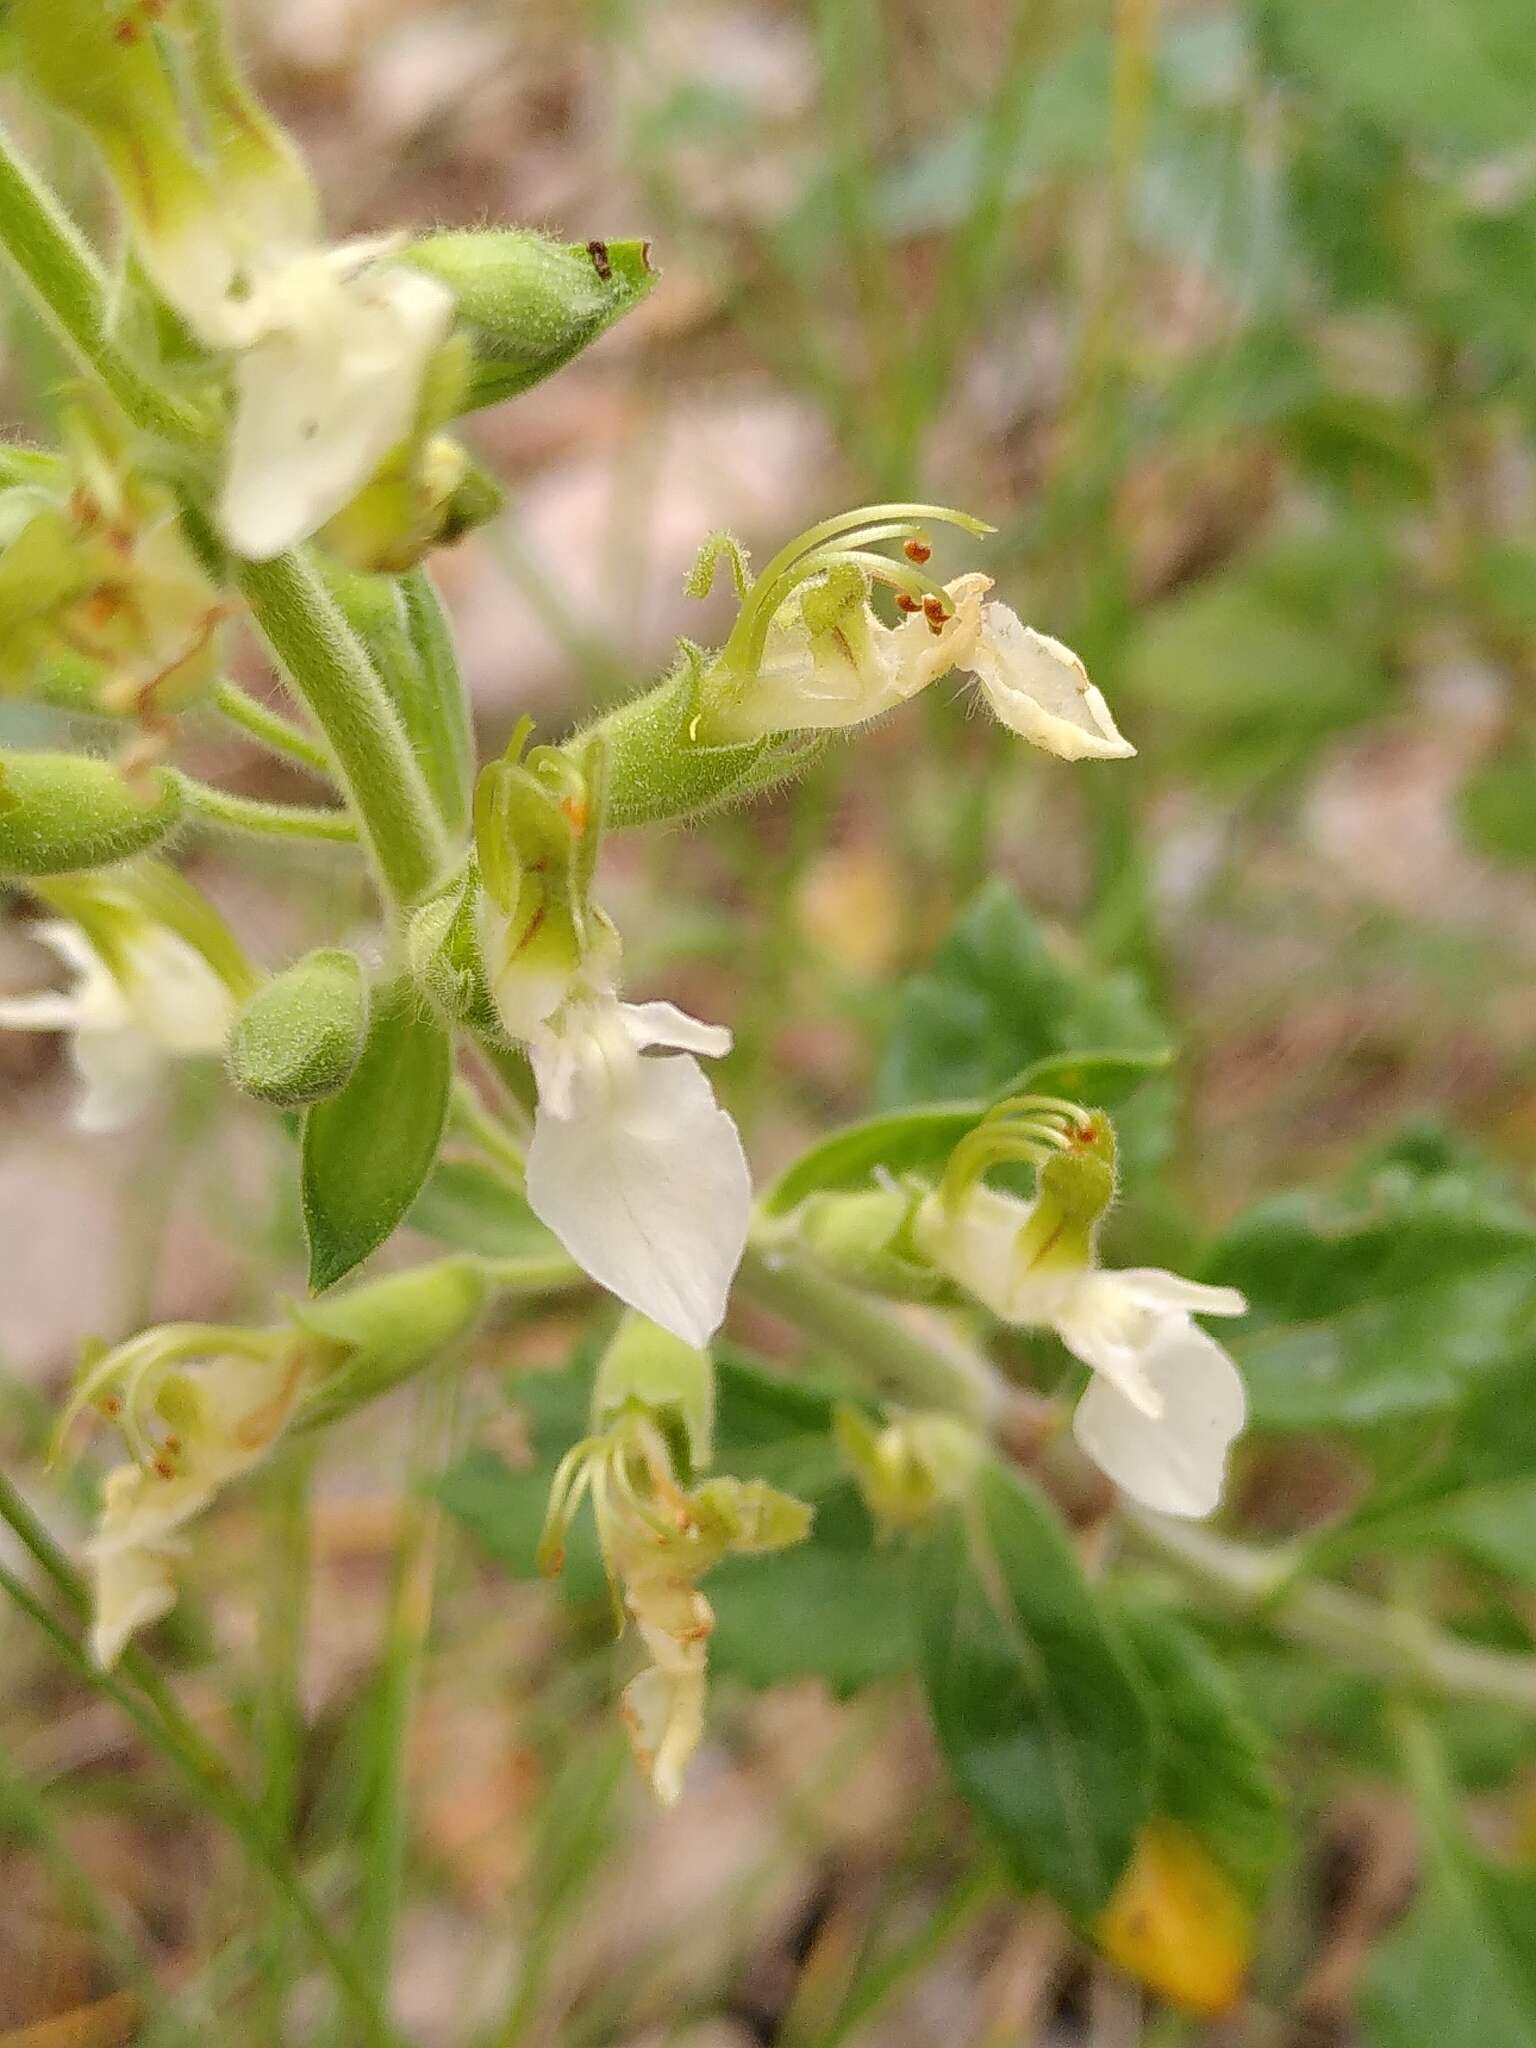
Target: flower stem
[268,729]
[251,815]
[927,1370]
[331,672]
[66,282]
[1386,1643]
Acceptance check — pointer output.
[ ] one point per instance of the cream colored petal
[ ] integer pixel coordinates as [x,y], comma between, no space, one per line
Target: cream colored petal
[664,1024]
[1174,1462]
[175,995]
[1159,1289]
[976,1245]
[324,393]
[122,1071]
[646,1185]
[1039,689]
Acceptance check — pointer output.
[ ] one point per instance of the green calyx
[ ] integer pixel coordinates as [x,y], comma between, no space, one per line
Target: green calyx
[371,1338]
[647,1369]
[529,304]
[300,1037]
[865,1238]
[60,813]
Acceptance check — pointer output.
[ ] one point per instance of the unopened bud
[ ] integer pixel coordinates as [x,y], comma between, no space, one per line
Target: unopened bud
[531,304]
[299,1038]
[912,1466]
[60,812]
[865,1238]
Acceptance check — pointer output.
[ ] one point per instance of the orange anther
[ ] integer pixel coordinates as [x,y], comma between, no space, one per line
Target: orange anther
[916,550]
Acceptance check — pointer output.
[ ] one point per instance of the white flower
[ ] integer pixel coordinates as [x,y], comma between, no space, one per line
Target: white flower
[633,1164]
[858,668]
[1165,1401]
[161,1002]
[210,1426]
[332,351]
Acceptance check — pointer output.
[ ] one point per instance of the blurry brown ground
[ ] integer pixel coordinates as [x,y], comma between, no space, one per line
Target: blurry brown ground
[805,1821]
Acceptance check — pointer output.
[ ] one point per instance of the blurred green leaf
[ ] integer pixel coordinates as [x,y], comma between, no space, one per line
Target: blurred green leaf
[1458,73]
[1460,1970]
[1497,805]
[474,1209]
[1034,1703]
[1003,1008]
[368,1149]
[1254,665]
[1212,1769]
[1381,1300]
[1476,1493]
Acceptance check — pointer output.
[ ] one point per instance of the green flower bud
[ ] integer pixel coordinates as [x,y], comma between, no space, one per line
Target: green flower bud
[648,1368]
[376,1336]
[865,1239]
[59,812]
[912,1466]
[298,1039]
[531,304]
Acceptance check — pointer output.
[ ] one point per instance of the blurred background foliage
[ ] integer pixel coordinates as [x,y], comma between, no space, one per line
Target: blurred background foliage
[1222,314]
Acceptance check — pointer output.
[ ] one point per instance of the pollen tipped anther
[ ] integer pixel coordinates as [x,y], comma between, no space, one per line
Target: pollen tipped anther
[916,549]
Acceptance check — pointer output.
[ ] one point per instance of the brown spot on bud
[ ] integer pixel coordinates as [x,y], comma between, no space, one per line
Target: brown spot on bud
[126,31]
[905,602]
[598,251]
[173,1446]
[111,1405]
[164,1469]
[574,810]
[916,550]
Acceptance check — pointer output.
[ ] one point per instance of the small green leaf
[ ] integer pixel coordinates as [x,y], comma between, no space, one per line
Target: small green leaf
[1036,1709]
[368,1150]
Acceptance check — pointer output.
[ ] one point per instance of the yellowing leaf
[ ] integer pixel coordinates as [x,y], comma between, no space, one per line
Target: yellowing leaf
[1176,1923]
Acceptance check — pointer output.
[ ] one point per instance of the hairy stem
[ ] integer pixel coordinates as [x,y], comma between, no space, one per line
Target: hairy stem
[255,817]
[268,728]
[331,672]
[64,280]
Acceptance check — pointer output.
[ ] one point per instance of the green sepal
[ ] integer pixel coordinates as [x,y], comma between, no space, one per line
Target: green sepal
[368,1150]
[299,1038]
[530,304]
[387,1330]
[63,812]
[658,772]
[647,1367]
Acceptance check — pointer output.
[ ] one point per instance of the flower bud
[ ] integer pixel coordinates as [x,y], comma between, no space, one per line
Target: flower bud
[60,812]
[648,1368]
[910,1468]
[865,1238]
[423,497]
[373,1337]
[531,304]
[298,1039]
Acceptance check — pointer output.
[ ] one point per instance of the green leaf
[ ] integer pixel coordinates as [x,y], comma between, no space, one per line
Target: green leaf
[1460,1970]
[368,1150]
[1476,1491]
[1002,1008]
[1035,1706]
[1497,806]
[475,1209]
[1380,1301]
[1212,1770]
[1456,72]
[1252,665]
[813,1612]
